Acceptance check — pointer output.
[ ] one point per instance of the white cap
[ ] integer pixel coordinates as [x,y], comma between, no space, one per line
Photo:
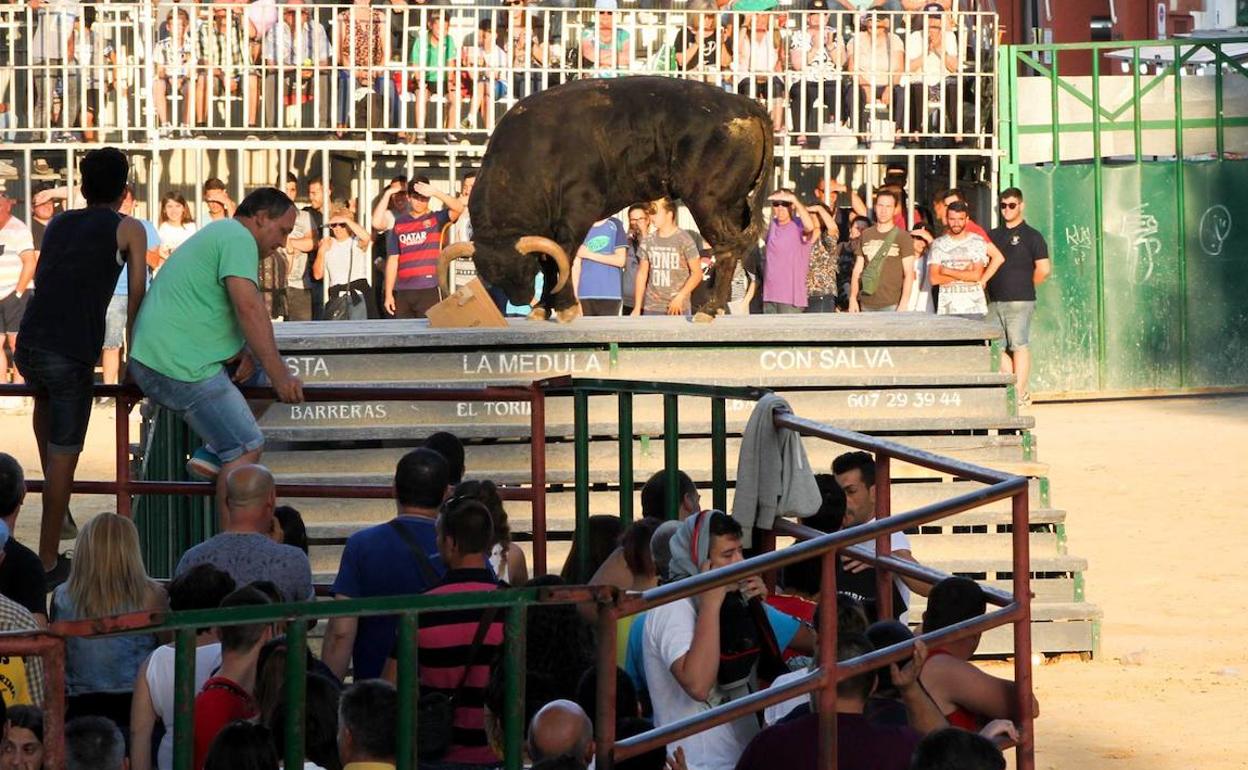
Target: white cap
[606,5]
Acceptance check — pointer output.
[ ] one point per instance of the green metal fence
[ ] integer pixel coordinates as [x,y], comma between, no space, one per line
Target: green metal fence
[1134,180]
[581,389]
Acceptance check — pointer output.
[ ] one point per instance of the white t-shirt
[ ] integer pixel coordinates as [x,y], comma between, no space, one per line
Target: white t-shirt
[898,542]
[343,257]
[172,235]
[15,237]
[775,713]
[960,297]
[667,636]
[298,259]
[934,69]
[53,29]
[160,683]
[921,297]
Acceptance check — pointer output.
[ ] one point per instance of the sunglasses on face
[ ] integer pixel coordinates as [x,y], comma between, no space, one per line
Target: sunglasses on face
[1008,206]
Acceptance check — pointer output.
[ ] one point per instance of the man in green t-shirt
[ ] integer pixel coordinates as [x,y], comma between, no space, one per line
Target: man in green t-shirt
[203,327]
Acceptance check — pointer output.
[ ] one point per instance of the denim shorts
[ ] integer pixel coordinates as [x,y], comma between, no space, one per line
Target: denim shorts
[66,384]
[214,408]
[115,322]
[1014,318]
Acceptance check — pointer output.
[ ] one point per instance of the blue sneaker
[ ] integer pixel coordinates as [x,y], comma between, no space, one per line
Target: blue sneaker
[204,464]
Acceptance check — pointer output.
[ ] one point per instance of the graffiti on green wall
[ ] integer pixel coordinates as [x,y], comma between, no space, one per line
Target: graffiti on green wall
[1159,309]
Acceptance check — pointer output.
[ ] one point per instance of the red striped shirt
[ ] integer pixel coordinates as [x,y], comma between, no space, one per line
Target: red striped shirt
[445,641]
[417,240]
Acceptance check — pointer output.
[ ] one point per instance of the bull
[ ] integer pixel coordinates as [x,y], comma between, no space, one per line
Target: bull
[564,158]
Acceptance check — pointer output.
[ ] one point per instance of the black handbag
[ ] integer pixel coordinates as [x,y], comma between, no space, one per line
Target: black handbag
[435,711]
[350,304]
[347,306]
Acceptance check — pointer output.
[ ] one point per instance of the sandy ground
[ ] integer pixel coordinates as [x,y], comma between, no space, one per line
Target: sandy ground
[1155,492]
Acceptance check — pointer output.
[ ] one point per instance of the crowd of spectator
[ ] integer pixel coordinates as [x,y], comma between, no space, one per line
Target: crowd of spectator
[814,257]
[852,69]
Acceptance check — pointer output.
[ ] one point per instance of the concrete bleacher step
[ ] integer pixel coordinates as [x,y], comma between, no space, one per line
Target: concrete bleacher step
[870,411]
[560,505]
[1055,628]
[929,383]
[509,463]
[319,338]
[840,364]
[962,554]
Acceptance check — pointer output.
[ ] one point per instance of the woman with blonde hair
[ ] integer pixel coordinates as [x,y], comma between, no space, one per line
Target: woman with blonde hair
[107,578]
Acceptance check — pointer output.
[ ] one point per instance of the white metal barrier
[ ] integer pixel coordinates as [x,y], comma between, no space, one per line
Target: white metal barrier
[442,75]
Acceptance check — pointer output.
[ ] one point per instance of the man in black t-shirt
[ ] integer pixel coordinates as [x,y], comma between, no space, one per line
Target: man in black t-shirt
[62,331]
[21,574]
[1012,289]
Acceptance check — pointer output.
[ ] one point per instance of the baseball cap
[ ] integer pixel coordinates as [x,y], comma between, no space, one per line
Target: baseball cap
[11,189]
[606,5]
[934,7]
[817,5]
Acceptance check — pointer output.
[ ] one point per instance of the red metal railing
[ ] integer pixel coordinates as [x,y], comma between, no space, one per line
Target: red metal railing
[51,649]
[124,488]
[1014,609]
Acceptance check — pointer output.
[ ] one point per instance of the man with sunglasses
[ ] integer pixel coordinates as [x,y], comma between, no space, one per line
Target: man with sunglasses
[790,237]
[1012,290]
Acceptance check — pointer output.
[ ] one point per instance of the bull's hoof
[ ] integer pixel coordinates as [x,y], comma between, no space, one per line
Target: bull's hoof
[568,314]
[702,318]
[539,314]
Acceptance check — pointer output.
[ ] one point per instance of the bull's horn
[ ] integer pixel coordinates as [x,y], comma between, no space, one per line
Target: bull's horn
[531,243]
[450,254]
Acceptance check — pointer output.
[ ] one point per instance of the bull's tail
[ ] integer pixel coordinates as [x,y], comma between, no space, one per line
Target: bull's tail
[761,189]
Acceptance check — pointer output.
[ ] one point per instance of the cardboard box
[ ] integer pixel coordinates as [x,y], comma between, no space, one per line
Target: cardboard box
[469,307]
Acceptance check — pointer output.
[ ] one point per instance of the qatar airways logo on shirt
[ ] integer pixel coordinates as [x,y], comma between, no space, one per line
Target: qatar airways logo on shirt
[413,239]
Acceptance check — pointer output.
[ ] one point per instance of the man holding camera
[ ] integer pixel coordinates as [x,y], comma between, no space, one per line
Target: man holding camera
[790,237]
[687,668]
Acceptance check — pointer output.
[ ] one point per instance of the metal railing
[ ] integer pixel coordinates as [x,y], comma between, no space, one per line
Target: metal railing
[183,625]
[124,488]
[1148,105]
[581,389]
[611,603]
[157,71]
[1014,609]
